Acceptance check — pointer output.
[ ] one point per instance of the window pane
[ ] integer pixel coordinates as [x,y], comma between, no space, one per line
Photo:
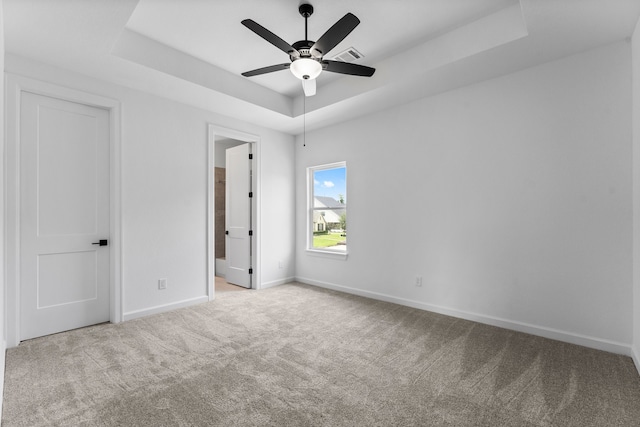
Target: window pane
[330,187]
[330,208]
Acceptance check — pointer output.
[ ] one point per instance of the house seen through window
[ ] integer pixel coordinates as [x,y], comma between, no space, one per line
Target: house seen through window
[328,207]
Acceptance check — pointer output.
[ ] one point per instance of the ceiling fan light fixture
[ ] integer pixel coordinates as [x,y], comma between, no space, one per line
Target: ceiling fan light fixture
[306,68]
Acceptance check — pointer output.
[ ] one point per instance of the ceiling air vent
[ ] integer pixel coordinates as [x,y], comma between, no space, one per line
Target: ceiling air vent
[348,55]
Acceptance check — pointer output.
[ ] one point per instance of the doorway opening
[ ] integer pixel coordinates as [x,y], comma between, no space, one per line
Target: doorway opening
[233,218]
[221,228]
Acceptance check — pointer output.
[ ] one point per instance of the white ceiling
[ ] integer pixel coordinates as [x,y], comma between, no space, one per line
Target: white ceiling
[193,51]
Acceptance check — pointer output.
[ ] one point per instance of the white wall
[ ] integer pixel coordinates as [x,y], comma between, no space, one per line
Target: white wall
[511,197]
[278,224]
[164,191]
[636,194]
[3,334]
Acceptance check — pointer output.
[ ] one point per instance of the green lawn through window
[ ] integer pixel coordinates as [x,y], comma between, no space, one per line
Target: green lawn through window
[327,240]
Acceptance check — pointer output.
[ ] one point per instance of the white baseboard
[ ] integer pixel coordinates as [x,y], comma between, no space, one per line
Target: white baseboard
[635,355]
[273,283]
[162,308]
[558,335]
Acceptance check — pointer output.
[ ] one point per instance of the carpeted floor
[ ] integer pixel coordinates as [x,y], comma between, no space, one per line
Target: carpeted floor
[296,355]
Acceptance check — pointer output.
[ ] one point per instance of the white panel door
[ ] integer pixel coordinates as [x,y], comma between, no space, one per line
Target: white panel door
[238,215]
[64,210]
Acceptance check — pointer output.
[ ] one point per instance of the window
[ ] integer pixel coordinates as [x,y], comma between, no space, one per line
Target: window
[328,208]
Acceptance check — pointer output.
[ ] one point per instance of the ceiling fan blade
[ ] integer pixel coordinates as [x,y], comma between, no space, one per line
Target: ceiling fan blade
[347,68]
[265,70]
[335,35]
[270,37]
[309,87]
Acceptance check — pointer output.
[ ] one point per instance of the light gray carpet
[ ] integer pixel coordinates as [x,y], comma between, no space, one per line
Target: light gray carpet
[296,355]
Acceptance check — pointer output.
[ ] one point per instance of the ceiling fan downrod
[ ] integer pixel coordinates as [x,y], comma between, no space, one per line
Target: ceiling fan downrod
[306,10]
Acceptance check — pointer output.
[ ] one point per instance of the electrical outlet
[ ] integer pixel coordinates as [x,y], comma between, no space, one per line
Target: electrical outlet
[162,284]
[419,281]
[280,264]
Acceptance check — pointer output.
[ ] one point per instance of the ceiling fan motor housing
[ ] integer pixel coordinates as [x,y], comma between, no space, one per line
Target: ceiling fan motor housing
[304,48]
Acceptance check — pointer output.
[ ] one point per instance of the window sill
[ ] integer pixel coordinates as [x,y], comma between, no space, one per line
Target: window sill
[327,254]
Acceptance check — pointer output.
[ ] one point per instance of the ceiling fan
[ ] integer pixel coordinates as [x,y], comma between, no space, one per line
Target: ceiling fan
[307,57]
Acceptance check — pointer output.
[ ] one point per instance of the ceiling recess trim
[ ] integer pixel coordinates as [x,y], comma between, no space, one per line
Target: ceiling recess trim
[142,50]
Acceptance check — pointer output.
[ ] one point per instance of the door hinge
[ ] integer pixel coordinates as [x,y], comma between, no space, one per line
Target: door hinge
[250,156]
[250,193]
[251,271]
[250,232]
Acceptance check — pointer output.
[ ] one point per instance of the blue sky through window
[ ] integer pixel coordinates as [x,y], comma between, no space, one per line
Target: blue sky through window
[330,183]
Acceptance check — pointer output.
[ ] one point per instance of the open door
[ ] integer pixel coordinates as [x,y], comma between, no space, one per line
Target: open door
[239,215]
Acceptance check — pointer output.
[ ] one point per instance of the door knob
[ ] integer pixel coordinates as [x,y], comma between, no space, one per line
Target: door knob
[103,242]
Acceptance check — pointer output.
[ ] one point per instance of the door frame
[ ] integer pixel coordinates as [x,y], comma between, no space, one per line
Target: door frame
[15,85]
[214,131]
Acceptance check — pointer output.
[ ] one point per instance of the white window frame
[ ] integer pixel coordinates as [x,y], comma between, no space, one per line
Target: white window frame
[324,252]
